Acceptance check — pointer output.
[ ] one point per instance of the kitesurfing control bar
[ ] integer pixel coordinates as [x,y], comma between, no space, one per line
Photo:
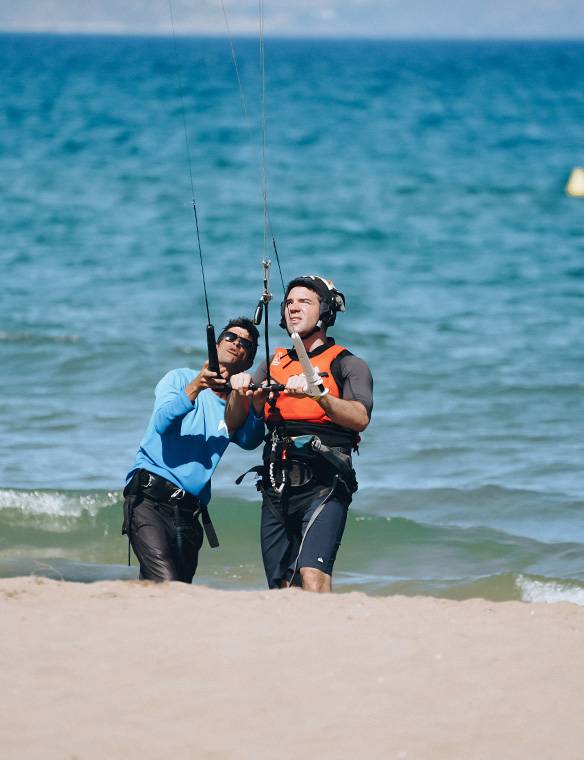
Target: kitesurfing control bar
[273,387]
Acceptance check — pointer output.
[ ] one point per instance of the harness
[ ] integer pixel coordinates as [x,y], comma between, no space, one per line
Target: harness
[303,445]
[168,495]
[296,461]
[278,460]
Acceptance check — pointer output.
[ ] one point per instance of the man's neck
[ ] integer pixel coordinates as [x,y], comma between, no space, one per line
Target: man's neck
[314,341]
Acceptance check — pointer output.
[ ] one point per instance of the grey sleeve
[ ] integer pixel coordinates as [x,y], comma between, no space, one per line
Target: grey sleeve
[356,380]
[260,374]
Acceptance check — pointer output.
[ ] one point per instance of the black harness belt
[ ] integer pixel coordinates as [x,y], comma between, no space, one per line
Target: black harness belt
[300,460]
[163,491]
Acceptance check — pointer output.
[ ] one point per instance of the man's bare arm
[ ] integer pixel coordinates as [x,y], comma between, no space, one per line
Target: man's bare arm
[347,414]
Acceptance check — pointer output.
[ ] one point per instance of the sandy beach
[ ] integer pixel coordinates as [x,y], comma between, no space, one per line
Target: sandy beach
[127,670]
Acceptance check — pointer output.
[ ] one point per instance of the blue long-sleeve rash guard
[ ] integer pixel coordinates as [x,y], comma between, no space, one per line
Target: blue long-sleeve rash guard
[184,441]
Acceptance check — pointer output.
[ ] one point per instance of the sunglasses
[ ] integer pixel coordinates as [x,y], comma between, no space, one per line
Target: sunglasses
[232,337]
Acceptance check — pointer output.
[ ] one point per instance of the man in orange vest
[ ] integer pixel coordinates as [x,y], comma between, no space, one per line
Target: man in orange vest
[307,479]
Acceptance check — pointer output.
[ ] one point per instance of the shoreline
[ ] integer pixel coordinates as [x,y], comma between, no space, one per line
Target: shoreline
[121,669]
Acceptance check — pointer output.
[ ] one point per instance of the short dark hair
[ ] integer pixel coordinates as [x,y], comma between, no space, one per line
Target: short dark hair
[248,325]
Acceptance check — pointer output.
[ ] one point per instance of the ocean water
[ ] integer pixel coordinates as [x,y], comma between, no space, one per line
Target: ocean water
[425,178]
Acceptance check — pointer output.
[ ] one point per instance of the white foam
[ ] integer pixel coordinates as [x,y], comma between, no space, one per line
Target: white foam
[56,503]
[549,592]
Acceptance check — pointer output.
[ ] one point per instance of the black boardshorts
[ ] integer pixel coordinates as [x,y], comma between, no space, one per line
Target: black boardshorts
[166,542]
[282,532]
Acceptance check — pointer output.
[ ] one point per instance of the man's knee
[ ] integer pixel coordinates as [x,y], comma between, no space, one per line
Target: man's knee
[155,562]
[157,570]
[315,580]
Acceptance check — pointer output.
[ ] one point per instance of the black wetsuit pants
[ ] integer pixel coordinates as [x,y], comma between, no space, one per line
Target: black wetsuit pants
[166,540]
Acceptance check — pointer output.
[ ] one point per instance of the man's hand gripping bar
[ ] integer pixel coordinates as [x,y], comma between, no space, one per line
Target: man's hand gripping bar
[315,386]
[214,359]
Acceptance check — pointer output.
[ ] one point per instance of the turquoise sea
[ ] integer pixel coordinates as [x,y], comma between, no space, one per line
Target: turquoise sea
[426,178]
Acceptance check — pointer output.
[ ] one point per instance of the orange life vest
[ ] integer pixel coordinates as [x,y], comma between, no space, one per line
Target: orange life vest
[288,408]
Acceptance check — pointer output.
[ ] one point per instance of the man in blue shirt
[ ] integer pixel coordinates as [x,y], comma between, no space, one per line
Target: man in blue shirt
[169,485]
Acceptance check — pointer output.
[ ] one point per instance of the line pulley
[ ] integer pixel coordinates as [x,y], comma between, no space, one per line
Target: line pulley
[262,310]
[266,296]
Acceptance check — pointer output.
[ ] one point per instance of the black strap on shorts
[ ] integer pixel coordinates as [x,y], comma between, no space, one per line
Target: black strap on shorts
[209,528]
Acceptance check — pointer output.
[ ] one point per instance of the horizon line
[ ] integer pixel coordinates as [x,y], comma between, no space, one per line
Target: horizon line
[285,36]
